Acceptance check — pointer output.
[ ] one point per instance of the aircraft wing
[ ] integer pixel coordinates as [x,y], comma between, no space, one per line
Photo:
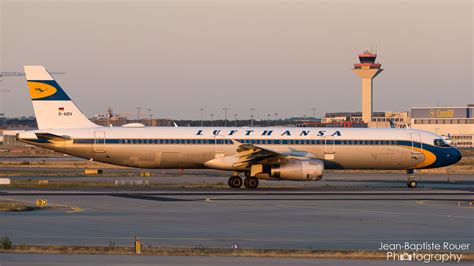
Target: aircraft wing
[249,154]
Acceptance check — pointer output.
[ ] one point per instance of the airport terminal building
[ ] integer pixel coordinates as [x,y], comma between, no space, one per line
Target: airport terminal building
[456,122]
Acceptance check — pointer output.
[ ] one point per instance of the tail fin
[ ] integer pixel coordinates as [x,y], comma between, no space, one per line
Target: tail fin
[53,108]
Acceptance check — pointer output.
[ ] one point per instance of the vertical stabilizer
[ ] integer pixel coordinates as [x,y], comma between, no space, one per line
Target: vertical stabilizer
[53,107]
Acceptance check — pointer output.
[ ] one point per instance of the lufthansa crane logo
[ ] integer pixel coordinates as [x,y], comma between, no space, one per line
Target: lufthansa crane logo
[40,90]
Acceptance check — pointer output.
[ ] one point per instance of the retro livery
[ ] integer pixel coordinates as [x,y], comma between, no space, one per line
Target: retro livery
[278,153]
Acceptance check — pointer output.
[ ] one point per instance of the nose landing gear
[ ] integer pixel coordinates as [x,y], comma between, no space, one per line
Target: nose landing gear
[411,183]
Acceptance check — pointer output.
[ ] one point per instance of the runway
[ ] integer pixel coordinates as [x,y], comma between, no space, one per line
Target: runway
[265,218]
[88,260]
[260,195]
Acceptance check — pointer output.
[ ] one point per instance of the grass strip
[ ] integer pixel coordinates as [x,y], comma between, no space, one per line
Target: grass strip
[203,251]
[12,206]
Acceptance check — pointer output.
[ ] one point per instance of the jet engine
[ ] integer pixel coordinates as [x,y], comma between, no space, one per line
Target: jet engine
[299,170]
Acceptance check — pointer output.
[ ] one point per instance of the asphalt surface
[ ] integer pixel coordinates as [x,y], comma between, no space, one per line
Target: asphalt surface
[332,180]
[307,219]
[91,260]
[347,212]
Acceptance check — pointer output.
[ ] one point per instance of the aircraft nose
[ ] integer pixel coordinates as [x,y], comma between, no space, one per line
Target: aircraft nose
[453,156]
[457,155]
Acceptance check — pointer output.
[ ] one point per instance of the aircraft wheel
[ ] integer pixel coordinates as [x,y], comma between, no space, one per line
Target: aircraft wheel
[235,182]
[411,183]
[251,182]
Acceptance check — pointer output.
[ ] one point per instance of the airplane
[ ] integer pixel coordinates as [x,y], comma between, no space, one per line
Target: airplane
[274,153]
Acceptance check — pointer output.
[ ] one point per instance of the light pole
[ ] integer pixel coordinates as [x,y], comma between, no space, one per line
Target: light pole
[202,110]
[149,116]
[138,113]
[314,112]
[225,115]
[251,116]
[212,120]
[235,119]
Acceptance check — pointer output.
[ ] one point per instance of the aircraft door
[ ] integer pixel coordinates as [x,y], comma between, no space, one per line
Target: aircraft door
[329,148]
[219,146]
[416,143]
[99,141]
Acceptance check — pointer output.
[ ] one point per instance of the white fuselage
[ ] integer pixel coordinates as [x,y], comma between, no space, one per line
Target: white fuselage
[193,147]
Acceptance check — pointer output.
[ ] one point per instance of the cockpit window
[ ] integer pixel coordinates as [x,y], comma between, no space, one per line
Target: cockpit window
[441,143]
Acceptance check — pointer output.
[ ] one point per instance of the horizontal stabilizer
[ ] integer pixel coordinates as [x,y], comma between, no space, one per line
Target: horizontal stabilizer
[52,137]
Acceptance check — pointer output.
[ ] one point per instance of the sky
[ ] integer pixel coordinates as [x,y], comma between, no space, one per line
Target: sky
[285,57]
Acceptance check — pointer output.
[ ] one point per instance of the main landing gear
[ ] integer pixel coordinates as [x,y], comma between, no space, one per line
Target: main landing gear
[235,181]
[411,183]
[251,182]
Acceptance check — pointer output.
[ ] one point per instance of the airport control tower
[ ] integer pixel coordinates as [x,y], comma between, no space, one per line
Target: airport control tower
[367,70]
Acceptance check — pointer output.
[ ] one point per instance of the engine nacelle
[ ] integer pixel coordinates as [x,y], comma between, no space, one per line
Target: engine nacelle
[299,170]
